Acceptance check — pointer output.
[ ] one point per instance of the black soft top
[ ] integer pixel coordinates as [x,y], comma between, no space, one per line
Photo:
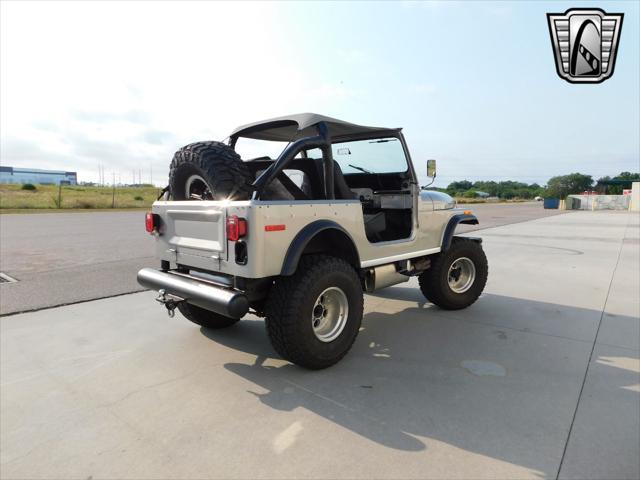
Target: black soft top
[293,127]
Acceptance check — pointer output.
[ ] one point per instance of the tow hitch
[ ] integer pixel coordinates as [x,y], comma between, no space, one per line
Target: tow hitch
[176,287]
[168,300]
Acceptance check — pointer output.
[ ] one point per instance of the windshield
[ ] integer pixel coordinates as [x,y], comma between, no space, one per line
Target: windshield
[380,155]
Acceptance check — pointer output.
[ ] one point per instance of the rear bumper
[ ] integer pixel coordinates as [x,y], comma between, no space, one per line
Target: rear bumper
[207,295]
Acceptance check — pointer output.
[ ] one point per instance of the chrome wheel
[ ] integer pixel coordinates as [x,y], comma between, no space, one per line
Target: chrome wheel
[197,189]
[329,315]
[462,274]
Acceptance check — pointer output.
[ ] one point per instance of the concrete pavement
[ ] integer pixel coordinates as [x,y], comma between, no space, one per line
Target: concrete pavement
[538,379]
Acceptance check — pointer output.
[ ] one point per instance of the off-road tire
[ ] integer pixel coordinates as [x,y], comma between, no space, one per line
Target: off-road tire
[217,164]
[434,282]
[205,318]
[290,305]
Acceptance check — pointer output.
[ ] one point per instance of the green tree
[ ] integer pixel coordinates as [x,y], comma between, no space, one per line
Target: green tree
[507,193]
[617,189]
[461,186]
[469,194]
[602,187]
[563,185]
[536,190]
[631,177]
[490,187]
[634,177]
[524,193]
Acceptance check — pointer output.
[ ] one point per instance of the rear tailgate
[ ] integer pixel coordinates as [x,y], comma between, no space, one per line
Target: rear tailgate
[192,233]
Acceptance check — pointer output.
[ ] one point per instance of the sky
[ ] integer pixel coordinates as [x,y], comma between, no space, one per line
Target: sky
[123,85]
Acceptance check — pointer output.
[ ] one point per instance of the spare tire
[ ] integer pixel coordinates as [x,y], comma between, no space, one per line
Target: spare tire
[209,171]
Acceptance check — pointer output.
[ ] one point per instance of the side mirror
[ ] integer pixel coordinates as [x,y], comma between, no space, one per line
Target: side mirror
[431,168]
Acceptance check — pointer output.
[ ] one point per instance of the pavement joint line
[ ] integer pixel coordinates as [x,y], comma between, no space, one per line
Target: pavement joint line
[593,347]
[49,307]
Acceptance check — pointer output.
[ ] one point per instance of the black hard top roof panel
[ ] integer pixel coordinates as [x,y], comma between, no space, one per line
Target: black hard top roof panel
[293,127]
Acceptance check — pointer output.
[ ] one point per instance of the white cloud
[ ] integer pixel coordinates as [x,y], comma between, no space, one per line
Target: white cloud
[126,84]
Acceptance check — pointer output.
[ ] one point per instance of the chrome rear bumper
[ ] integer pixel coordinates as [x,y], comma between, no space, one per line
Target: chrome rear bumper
[198,292]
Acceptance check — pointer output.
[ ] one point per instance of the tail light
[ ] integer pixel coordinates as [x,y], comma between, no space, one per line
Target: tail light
[151,222]
[236,228]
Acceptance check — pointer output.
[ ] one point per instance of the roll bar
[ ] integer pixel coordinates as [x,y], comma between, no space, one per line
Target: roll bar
[321,141]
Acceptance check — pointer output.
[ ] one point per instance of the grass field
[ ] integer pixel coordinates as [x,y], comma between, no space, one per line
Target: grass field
[13,199]
[45,197]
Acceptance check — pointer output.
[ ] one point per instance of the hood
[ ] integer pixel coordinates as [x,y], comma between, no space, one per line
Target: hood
[441,201]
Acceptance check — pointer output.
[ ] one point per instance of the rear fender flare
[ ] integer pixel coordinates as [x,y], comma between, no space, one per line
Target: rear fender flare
[295,251]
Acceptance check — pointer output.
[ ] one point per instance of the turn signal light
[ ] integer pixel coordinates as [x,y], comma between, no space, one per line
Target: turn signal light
[236,228]
[151,222]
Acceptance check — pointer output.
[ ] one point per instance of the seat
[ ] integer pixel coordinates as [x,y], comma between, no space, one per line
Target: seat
[340,188]
[374,223]
[282,188]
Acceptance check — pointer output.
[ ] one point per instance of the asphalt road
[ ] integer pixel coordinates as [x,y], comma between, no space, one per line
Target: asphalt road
[63,258]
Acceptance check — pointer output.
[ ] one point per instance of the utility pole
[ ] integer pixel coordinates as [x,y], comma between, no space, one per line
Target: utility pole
[151,173]
[113,195]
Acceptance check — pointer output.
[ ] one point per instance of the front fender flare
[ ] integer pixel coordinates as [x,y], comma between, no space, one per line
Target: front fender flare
[465,218]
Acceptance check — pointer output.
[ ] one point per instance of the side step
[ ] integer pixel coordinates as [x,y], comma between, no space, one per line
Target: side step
[223,301]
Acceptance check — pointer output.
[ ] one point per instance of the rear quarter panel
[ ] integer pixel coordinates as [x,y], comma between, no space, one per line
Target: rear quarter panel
[272,250]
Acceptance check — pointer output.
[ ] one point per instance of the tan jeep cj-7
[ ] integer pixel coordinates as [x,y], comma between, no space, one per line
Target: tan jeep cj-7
[297,239]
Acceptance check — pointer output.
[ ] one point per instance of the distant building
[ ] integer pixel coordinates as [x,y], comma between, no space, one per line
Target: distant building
[37,176]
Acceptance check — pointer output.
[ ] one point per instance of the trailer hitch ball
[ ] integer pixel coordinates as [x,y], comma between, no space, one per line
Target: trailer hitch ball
[169,301]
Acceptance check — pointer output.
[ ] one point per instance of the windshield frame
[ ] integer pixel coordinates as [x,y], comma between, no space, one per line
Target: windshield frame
[377,136]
